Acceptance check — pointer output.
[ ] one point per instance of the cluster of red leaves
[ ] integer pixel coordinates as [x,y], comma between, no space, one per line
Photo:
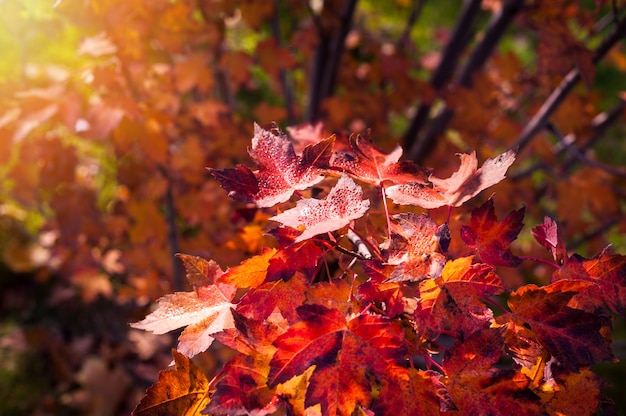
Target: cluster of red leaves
[341,317]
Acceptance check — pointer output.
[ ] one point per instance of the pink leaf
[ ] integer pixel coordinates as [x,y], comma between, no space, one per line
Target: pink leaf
[316,216]
[463,185]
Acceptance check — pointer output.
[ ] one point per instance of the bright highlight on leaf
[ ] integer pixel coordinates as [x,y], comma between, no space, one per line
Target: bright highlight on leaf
[342,204]
[320,328]
[280,170]
[203,313]
[464,184]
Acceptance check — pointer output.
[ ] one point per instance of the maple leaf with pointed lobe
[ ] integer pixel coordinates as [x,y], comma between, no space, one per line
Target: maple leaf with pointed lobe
[314,216]
[608,273]
[377,289]
[181,390]
[259,303]
[574,337]
[451,303]
[204,311]
[549,235]
[408,391]
[280,170]
[491,238]
[413,247]
[242,388]
[464,184]
[251,272]
[478,387]
[349,356]
[369,164]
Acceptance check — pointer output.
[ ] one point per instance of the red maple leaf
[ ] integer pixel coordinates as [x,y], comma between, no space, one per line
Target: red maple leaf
[350,356]
[608,273]
[548,235]
[413,247]
[259,303]
[478,387]
[491,238]
[454,191]
[314,216]
[242,388]
[369,164]
[574,337]
[451,303]
[280,170]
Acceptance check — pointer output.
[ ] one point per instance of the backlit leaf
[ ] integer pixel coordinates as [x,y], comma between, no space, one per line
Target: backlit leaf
[314,216]
[606,270]
[454,191]
[574,337]
[203,313]
[491,238]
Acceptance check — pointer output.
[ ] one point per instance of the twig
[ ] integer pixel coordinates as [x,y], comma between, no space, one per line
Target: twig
[603,228]
[443,73]
[566,143]
[558,95]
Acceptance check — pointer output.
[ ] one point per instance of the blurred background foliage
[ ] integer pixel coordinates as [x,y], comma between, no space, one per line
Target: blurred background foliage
[110,111]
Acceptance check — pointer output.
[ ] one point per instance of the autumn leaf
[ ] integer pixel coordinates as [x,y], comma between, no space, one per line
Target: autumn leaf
[491,238]
[376,290]
[251,272]
[412,392]
[280,170]
[182,390]
[252,336]
[573,337]
[368,163]
[348,354]
[302,257]
[200,272]
[571,393]
[314,216]
[463,185]
[549,235]
[259,303]
[478,387]
[608,273]
[242,387]
[413,247]
[203,312]
[451,303]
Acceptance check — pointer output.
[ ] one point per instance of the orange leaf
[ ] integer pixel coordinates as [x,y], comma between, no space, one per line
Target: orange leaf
[179,391]
[251,272]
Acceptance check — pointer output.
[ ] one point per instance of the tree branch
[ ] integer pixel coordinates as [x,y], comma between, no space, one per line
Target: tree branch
[538,122]
[497,26]
[416,10]
[442,74]
[282,74]
[327,59]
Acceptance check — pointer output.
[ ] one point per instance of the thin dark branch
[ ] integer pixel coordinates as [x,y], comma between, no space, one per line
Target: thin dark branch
[565,142]
[497,26]
[172,233]
[416,11]
[599,231]
[327,59]
[282,74]
[599,124]
[538,122]
[443,73]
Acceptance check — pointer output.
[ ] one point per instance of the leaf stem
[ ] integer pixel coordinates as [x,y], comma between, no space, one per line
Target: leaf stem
[540,260]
